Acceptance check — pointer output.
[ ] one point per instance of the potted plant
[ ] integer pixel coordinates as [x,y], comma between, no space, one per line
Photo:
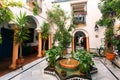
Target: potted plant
[44,34]
[21,34]
[62,35]
[52,55]
[117,43]
[64,38]
[110,13]
[36,8]
[85,61]
[109,39]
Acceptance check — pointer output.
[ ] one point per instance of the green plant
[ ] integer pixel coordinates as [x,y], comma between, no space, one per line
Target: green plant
[64,38]
[52,56]
[110,12]
[58,17]
[5,13]
[36,8]
[109,38]
[85,60]
[117,43]
[45,33]
[21,33]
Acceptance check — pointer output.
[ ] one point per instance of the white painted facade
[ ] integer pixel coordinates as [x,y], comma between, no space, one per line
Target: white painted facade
[93,14]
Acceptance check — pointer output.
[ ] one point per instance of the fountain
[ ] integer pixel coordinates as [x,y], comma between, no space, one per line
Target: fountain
[69,63]
[67,68]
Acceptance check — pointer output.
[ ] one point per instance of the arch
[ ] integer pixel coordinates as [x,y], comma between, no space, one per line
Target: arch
[82,30]
[32,25]
[80,39]
[34,20]
[31,44]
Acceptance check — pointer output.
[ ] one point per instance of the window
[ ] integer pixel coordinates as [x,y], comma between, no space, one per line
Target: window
[79,12]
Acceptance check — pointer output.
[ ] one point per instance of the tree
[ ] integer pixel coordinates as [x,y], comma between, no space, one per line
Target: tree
[21,33]
[45,33]
[58,17]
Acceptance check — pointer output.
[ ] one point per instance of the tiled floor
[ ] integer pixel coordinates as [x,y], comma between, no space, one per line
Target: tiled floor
[5,63]
[103,72]
[35,71]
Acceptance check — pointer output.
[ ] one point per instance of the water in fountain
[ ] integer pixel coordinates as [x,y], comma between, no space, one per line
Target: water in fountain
[68,61]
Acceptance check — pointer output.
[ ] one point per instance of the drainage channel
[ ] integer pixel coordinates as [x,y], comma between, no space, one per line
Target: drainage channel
[115,64]
[110,71]
[26,69]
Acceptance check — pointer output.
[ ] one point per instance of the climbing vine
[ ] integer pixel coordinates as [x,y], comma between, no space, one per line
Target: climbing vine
[110,10]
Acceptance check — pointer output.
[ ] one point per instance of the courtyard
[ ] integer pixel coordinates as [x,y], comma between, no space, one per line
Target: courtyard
[35,71]
[56,39]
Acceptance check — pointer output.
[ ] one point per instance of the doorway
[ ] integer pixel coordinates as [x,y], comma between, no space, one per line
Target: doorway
[79,40]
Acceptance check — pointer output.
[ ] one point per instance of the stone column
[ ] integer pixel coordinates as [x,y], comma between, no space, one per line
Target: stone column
[87,43]
[50,40]
[14,56]
[39,45]
[73,48]
[15,52]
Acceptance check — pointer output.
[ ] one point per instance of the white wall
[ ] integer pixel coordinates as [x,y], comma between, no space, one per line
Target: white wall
[93,14]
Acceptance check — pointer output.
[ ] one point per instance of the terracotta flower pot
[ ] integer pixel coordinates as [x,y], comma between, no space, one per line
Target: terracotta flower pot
[110,56]
[20,62]
[65,51]
[43,53]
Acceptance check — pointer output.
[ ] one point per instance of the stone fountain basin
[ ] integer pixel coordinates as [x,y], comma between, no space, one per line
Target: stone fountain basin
[69,63]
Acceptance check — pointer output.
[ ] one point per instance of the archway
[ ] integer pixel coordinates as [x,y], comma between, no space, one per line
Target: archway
[30,45]
[80,40]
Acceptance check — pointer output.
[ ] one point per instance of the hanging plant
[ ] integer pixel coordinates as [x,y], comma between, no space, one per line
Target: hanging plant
[5,13]
[36,8]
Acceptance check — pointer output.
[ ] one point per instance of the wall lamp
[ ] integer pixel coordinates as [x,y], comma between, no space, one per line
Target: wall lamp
[96,28]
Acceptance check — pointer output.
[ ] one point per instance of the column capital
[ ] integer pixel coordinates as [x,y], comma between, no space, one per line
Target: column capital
[38,30]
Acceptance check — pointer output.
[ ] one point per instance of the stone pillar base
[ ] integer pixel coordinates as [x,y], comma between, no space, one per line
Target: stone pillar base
[12,66]
[39,55]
